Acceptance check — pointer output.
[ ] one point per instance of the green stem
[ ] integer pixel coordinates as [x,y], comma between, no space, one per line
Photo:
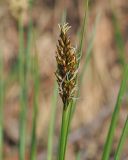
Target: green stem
[115,116]
[87,58]
[1,106]
[23,70]
[122,140]
[83,31]
[78,157]
[35,108]
[66,117]
[118,39]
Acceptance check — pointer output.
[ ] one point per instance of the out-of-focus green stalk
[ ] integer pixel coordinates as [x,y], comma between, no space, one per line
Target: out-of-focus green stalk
[23,70]
[35,75]
[81,46]
[87,59]
[28,48]
[1,105]
[82,35]
[36,79]
[52,122]
[119,40]
[115,116]
[89,50]
[122,140]
[78,157]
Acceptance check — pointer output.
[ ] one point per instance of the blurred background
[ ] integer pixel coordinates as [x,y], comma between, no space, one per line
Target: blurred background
[108,23]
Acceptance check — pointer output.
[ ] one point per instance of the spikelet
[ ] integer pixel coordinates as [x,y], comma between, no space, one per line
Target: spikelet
[67,66]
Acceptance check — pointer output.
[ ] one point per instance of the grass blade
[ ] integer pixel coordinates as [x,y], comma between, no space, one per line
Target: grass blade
[110,136]
[87,59]
[1,105]
[82,35]
[122,140]
[119,40]
[24,67]
[35,108]
[89,49]
[21,75]
[35,75]
[81,48]
[23,70]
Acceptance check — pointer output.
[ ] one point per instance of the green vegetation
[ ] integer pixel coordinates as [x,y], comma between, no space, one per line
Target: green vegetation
[1,105]
[122,140]
[28,67]
[115,116]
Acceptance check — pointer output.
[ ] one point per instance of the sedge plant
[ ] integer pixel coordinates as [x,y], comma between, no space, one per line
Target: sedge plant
[66,74]
[53,110]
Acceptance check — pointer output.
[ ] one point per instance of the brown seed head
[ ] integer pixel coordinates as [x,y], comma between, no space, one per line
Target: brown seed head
[66,66]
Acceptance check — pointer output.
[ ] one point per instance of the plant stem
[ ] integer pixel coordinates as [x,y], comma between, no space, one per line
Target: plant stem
[83,31]
[23,70]
[78,157]
[122,140]
[110,136]
[87,59]
[118,39]
[1,106]
[67,110]
[35,108]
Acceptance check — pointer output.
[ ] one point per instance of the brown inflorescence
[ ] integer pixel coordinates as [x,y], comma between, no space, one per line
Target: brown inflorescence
[67,66]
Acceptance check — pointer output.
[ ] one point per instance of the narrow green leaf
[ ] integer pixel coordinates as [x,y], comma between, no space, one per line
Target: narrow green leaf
[35,107]
[122,140]
[23,70]
[119,40]
[82,35]
[115,116]
[87,59]
[35,75]
[1,105]
[78,157]
[89,48]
